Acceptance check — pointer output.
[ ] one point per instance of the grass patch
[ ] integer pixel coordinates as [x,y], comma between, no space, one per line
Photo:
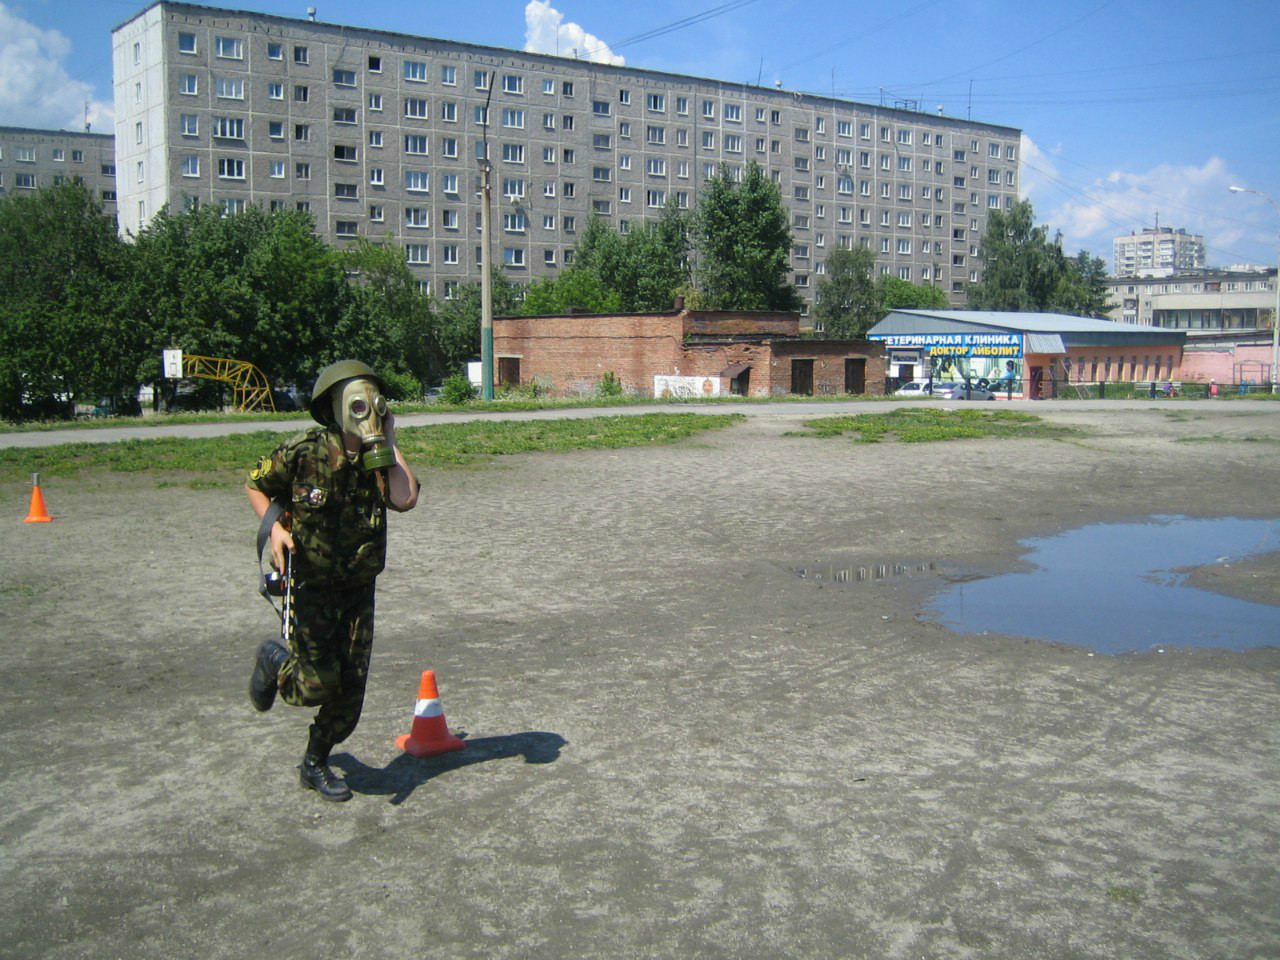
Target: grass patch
[1228,440]
[430,446]
[919,425]
[1129,896]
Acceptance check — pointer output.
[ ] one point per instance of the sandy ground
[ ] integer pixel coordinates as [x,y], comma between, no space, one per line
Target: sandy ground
[678,747]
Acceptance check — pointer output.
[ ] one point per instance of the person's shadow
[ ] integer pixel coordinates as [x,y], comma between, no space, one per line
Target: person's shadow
[401,776]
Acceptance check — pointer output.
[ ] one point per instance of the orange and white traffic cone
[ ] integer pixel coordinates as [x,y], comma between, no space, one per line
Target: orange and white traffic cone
[37,513]
[429,735]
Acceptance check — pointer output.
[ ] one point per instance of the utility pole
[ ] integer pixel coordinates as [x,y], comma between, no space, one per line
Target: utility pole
[486,271]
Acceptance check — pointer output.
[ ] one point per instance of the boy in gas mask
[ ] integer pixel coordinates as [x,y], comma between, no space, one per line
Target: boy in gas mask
[335,482]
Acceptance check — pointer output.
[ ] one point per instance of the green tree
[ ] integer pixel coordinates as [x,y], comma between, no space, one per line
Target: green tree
[387,321]
[576,289]
[848,300]
[899,294]
[456,332]
[1023,269]
[743,243]
[645,266]
[255,286]
[62,337]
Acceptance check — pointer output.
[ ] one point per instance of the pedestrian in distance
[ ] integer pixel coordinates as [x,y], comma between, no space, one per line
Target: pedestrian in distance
[325,496]
[1213,389]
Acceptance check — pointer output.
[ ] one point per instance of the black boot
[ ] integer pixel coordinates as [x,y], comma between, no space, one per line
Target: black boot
[262,685]
[316,773]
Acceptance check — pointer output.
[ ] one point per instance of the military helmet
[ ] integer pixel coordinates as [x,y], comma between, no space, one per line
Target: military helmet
[335,373]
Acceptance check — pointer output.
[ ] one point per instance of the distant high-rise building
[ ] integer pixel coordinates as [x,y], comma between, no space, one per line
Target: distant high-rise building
[380,135]
[32,159]
[1156,252]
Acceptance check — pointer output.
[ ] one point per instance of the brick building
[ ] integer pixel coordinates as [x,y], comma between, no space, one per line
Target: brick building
[684,353]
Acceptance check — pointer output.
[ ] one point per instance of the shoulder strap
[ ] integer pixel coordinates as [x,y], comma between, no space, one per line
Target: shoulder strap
[274,513]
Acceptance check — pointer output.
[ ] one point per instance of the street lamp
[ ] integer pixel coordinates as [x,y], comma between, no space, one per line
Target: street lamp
[1275,317]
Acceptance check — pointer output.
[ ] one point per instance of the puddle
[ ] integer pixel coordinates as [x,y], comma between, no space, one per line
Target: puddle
[1117,588]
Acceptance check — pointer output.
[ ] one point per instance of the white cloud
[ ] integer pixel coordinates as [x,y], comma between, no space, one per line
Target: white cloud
[546,32]
[35,88]
[1093,211]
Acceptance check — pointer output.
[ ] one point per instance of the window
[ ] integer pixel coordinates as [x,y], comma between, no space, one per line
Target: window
[513,118]
[864,131]
[733,144]
[904,218]
[449,147]
[188,84]
[682,169]
[345,228]
[566,88]
[375,138]
[230,168]
[655,198]
[656,167]
[417,217]
[344,78]
[300,55]
[568,155]
[275,51]
[548,121]
[800,251]
[513,152]
[601,108]
[417,181]
[228,128]
[344,153]
[301,94]
[624,161]
[904,137]
[375,102]
[656,135]
[415,70]
[682,137]
[25,181]
[189,125]
[801,163]
[513,222]
[904,191]
[602,207]
[601,174]
[448,111]
[416,107]
[275,91]
[904,164]
[416,143]
[601,141]
[513,256]
[512,83]
[449,219]
[302,171]
[513,187]
[657,102]
[375,66]
[229,48]
[231,206]
[801,192]
[904,246]
[844,128]
[191,166]
[708,109]
[624,194]
[344,114]
[569,188]
[885,162]
[302,131]
[417,252]
[449,253]
[480,79]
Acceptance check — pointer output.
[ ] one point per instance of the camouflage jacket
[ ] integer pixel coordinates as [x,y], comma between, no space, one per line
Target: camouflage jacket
[339,512]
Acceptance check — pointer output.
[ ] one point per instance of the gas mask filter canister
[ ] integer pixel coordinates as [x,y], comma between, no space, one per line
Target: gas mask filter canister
[359,410]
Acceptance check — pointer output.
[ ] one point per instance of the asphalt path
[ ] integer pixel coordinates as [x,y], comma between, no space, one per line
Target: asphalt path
[112,434]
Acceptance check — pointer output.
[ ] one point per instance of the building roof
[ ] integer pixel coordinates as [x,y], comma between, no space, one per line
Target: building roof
[1074,331]
[775,92]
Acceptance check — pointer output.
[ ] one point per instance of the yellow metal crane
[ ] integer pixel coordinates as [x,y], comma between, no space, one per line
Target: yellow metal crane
[251,390]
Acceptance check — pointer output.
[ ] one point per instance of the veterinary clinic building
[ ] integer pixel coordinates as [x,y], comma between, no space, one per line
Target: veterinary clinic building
[685,353]
[1035,355]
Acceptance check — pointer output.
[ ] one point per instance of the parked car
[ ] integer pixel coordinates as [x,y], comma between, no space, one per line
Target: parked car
[958,391]
[913,388]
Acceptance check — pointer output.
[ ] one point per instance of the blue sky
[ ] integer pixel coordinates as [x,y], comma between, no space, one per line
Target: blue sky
[1130,110]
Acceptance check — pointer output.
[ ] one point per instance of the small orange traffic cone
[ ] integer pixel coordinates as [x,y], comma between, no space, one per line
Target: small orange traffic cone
[37,513]
[429,735]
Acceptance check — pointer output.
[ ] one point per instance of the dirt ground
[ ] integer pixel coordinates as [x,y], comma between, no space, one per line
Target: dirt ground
[678,747]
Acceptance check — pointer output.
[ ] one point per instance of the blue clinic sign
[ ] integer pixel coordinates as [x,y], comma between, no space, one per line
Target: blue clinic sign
[1004,345]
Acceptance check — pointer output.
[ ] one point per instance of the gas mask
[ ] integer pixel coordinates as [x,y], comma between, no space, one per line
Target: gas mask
[358,408]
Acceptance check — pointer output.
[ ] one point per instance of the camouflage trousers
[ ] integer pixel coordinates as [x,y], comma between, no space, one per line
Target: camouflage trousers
[330,642]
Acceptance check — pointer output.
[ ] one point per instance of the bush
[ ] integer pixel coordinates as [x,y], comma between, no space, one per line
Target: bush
[610,385]
[402,386]
[457,390]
